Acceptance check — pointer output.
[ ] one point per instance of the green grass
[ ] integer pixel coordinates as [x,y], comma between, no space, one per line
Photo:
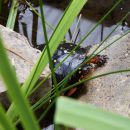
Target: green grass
[88,117]
[21,111]
[12,15]
[5,123]
[48,48]
[13,88]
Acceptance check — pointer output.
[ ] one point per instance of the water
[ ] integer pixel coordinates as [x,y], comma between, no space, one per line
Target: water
[29,24]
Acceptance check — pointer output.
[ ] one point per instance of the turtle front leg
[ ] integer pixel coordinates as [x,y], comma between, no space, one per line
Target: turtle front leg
[99,60]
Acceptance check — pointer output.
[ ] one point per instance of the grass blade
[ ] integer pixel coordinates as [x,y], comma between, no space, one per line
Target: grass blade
[77,114]
[47,46]
[12,15]
[13,87]
[4,121]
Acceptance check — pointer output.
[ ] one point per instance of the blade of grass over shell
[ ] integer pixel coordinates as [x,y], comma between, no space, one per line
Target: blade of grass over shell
[81,115]
[12,14]
[70,13]
[4,120]
[21,105]
[47,46]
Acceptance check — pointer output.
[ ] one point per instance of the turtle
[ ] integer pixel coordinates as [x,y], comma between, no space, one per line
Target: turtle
[72,62]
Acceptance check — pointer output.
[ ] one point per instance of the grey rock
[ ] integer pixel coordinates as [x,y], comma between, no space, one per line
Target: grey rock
[22,57]
[112,92]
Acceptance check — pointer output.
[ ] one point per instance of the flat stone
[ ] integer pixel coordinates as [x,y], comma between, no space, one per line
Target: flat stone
[22,57]
[112,92]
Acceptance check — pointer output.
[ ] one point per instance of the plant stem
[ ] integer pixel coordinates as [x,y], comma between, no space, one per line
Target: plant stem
[12,15]
[47,46]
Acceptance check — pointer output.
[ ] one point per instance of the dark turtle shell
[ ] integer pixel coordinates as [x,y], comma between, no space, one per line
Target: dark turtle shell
[74,61]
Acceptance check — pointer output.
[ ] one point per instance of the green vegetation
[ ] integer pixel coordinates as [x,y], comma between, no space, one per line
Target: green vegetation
[20,109]
[86,116]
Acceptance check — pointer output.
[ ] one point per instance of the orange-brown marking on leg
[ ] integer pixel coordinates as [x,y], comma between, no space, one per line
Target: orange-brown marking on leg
[95,60]
[71,91]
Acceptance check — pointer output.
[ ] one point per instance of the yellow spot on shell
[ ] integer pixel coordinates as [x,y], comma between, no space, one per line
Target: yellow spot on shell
[54,61]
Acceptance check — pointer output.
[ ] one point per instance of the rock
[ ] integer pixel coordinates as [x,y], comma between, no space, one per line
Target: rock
[112,92]
[20,54]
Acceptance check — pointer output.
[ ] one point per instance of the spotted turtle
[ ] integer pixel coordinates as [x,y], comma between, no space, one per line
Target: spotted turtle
[74,61]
